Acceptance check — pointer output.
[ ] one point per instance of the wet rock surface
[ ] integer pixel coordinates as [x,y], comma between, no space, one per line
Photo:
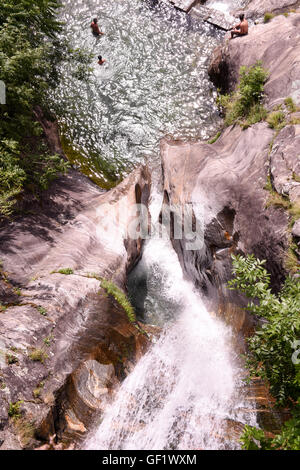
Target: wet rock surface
[59,328]
[226,182]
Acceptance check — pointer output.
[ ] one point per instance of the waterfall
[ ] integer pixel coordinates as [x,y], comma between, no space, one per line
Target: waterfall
[186,392]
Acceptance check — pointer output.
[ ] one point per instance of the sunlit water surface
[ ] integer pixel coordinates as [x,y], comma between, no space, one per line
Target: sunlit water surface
[154,82]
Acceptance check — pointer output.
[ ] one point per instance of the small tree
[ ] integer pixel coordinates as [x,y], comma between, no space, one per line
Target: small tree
[272,346]
[245,105]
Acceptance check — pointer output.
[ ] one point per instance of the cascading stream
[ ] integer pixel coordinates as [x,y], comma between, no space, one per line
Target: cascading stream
[186,392]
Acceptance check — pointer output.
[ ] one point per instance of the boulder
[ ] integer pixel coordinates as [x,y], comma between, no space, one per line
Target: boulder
[296,230]
[224,184]
[61,327]
[285,163]
[277,45]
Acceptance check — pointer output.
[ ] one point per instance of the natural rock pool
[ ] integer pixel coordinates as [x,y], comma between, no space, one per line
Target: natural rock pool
[186,392]
[154,83]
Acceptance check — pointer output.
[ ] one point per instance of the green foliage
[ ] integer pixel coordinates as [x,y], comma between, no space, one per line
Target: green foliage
[244,106]
[295,121]
[278,200]
[294,210]
[38,355]
[268,17]
[252,80]
[215,138]
[12,176]
[290,104]
[272,345]
[42,311]
[276,120]
[47,340]
[288,439]
[120,297]
[37,391]
[11,359]
[31,51]
[254,439]
[66,271]
[14,409]
[291,261]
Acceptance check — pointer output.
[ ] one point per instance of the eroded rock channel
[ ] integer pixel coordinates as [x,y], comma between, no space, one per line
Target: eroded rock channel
[68,352]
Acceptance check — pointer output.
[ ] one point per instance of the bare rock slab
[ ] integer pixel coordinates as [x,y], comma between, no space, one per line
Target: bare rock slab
[217,18]
[277,45]
[65,342]
[257,8]
[184,5]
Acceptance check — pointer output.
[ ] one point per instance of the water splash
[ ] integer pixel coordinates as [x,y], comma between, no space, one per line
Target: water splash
[186,392]
[183,394]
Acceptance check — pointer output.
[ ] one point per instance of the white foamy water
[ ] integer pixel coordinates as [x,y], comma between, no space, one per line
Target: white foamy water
[226,6]
[186,392]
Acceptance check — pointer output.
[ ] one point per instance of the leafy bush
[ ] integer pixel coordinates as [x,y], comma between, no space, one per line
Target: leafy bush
[38,355]
[276,120]
[290,104]
[11,359]
[66,271]
[288,439]
[14,409]
[31,51]
[271,347]
[244,106]
[42,311]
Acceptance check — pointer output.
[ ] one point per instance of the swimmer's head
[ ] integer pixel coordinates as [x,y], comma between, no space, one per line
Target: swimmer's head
[242,16]
[95,20]
[100,57]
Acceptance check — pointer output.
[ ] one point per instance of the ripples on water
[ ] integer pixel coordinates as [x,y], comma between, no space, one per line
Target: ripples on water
[154,82]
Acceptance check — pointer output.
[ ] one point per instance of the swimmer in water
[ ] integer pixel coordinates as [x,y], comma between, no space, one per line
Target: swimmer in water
[101,61]
[95,27]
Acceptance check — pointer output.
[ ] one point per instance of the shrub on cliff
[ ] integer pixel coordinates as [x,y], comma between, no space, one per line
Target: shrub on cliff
[274,348]
[287,439]
[30,53]
[273,345]
[245,105]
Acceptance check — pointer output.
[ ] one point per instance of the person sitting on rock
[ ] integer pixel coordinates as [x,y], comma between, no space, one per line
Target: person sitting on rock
[240,29]
[95,27]
[101,61]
